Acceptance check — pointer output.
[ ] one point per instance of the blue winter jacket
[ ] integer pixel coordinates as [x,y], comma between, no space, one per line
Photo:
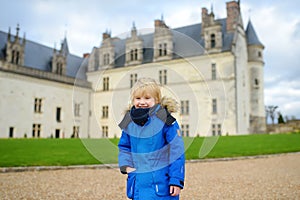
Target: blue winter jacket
[155,150]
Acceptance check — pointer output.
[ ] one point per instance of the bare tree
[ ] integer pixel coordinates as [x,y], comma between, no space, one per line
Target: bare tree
[270,111]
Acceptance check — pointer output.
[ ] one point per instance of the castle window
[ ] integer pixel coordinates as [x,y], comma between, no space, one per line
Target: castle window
[165,49]
[37,105]
[58,114]
[163,77]
[77,109]
[133,79]
[216,129]
[59,68]
[185,129]
[212,41]
[36,130]
[15,57]
[106,59]
[185,107]
[134,54]
[214,106]
[162,49]
[105,83]
[213,71]
[11,132]
[256,82]
[105,112]
[131,55]
[259,54]
[105,131]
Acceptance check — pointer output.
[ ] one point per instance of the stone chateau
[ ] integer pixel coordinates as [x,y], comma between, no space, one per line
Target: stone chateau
[214,69]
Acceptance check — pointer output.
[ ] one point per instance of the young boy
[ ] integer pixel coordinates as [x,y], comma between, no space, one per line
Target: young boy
[151,149]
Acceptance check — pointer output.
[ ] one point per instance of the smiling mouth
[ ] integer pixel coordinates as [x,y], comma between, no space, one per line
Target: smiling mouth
[143,106]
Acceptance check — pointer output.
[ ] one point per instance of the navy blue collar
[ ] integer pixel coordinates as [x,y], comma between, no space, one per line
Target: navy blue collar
[140,116]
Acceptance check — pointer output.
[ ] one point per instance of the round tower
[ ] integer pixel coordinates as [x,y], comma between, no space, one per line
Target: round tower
[256,78]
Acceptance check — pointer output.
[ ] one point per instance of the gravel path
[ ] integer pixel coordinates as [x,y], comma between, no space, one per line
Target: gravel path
[274,177]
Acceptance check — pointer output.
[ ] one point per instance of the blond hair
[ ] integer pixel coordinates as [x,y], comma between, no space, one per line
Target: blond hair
[146,86]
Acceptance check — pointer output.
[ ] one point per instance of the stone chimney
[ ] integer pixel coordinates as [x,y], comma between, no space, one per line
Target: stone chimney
[105,36]
[233,15]
[86,55]
[204,16]
[207,19]
[160,24]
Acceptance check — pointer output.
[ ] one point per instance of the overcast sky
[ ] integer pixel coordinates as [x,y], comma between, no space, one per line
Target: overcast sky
[277,24]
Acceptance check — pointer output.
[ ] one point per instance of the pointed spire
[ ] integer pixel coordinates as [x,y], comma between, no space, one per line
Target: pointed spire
[24,39]
[133,30]
[18,28]
[252,38]
[8,36]
[54,49]
[162,17]
[64,49]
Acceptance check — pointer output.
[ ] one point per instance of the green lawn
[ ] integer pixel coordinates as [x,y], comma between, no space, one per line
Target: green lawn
[45,152]
[248,145]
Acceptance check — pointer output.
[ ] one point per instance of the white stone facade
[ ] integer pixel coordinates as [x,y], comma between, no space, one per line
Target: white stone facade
[215,74]
[55,115]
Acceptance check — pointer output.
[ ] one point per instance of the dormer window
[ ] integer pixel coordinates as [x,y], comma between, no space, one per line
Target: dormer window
[59,68]
[162,49]
[133,54]
[106,59]
[212,40]
[15,57]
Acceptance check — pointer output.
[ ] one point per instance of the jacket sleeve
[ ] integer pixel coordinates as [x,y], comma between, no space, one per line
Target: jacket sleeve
[177,158]
[125,157]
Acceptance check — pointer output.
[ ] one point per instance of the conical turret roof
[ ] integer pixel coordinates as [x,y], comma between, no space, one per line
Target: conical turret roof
[252,38]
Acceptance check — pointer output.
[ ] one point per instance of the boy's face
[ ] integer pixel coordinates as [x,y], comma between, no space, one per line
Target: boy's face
[144,101]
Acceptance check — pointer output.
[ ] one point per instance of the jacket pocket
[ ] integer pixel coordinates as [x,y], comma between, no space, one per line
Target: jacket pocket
[130,185]
[161,182]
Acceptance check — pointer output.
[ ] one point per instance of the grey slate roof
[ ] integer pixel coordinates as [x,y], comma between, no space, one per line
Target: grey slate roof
[252,38]
[39,57]
[187,42]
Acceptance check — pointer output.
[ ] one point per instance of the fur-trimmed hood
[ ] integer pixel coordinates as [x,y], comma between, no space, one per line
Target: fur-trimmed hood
[170,104]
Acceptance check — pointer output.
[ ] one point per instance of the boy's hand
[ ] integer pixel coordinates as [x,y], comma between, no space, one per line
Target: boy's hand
[130,169]
[174,190]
